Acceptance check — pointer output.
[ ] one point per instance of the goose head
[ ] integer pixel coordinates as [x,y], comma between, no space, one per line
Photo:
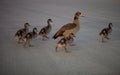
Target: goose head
[77,14]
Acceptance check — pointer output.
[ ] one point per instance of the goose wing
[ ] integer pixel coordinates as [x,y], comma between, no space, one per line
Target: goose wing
[60,32]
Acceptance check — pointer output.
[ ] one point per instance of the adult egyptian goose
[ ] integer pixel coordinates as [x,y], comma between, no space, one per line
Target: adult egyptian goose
[29,36]
[46,30]
[65,41]
[69,28]
[22,32]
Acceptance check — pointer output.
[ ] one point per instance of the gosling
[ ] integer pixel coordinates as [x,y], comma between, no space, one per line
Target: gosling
[22,32]
[29,36]
[65,41]
[46,30]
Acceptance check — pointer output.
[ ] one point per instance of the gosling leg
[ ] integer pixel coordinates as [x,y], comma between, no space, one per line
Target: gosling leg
[19,41]
[56,48]
[47,37]
[30,44]
[25,42]
[103,39]
[66,50]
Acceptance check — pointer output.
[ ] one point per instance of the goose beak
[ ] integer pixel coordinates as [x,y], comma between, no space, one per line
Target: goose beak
[82,15]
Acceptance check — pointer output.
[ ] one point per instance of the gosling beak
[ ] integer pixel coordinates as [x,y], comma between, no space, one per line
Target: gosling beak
[29,25]
[51,21]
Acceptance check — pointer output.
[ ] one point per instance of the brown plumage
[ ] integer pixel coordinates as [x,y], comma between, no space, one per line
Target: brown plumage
[22,32]
[69,28]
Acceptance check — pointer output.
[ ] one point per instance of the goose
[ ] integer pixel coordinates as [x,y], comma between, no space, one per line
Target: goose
[68,28]
[46,30]
[22,32]
[65,41]
[29,36]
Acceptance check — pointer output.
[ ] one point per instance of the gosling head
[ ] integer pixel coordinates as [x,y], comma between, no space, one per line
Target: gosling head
[50,20]
[110,24]
[26,24]
[35,30]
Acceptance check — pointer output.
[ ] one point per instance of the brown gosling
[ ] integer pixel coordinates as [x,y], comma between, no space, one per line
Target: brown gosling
[22,32]
[29,36]
[105,32]
[46,30]
[65,41]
